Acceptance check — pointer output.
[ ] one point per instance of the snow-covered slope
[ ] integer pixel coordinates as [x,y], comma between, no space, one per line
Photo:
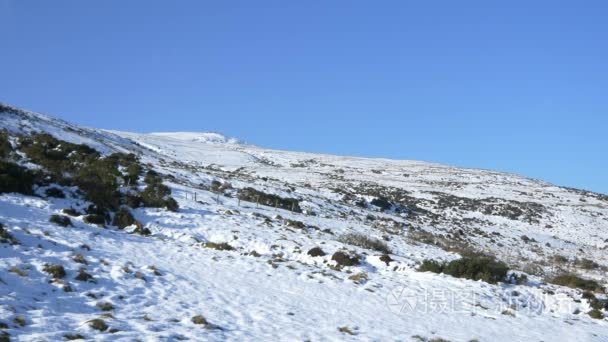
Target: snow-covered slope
[266,286]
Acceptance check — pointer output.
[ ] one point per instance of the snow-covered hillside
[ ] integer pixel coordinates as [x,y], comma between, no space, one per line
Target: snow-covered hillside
[237,260]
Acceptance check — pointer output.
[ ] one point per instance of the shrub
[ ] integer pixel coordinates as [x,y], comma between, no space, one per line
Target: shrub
[55,192]
[576,282]
[316,251]
[479,267]
[15,178]
[5,145]
[133,201]
[199,319]
[98,180]
[95,219]
[344,258]
[104,306]
[60,220]
[596,314]
[157,195]
[256,196]
[222,246]
[83,275]
[587,264]
[381,203]
[56,271]
[71,212]
[429,265]
[98,324]
[123,218]
[6,236]
[171,204]
[363,241]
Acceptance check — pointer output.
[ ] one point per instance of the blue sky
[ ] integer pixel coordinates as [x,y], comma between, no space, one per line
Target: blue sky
[518,86]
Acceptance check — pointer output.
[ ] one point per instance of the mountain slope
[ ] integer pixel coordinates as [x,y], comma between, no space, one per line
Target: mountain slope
[237,250]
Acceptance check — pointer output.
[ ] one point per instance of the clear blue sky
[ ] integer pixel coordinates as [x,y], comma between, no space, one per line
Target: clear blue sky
[519,86]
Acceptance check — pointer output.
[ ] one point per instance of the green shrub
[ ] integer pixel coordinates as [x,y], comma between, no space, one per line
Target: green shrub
[479,267]
[316,251]
[429,265]
[55,155]
[157,195]
[71,212]
[133,201]
[99,181]
[55,192]
[344,258]
[576,282]
[6,236]
[95,219]
[60,220]
[5,145]
[221,246]
[56,271]
[123,218]
[366,242]
[15,178]
[256,196]
[596,314]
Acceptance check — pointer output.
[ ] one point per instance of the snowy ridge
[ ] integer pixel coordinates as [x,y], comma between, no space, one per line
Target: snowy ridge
[267,286]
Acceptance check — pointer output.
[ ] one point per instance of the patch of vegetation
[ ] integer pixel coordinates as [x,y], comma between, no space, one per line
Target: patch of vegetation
[596,314]
[479,267]
[56,271]
[316,251]
[104,306]
[345,258]
[259,197]
[83,275]
[123,218]
[366,242]
[156,194]
[95,219]
[72,337]
[5,146]
[79,258]
[55,192]
[60,220]
[200,320]
[6,236]
[382,203]
[71,211]
[98,324]
[576,282]
[15,178]
[222,246]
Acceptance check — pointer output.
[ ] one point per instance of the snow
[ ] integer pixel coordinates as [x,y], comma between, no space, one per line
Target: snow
[279,292]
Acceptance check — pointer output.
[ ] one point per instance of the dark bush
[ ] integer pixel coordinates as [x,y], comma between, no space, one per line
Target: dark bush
[596,314]
[83,275]
[95,219]
[6,236]
[55,192]
[381,203]
[60,220]
[345,258]
[15,178]
[157,195]
[222,246]
[363,241]
[256,196]
[123,218]
[56,271]
[483,268]
[55,155]
[71,212]
[5,145]
[429,265]
[133,201]
[99,181]
[171,204]
[576,282]
[316,251]
[98,324]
